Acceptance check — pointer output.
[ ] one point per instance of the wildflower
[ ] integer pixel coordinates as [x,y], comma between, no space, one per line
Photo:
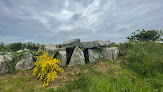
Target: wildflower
[47,68]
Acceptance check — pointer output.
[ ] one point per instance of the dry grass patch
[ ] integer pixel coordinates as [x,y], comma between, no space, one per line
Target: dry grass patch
[69,74]
[102,66]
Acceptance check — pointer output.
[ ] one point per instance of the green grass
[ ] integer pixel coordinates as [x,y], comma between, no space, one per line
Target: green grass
[144,58]
[138,69]
[112,78]
[115,79]
[19,81]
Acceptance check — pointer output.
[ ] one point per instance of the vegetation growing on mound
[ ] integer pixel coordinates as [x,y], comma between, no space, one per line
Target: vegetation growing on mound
[138,69]
[143,57]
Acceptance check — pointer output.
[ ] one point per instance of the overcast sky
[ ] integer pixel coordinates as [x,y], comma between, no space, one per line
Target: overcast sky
[55,21]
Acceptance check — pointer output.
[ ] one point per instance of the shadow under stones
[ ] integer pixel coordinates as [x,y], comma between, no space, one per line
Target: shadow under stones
[86,55]
[69,54]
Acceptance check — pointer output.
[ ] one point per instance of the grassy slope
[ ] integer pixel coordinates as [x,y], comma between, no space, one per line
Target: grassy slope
[102,76]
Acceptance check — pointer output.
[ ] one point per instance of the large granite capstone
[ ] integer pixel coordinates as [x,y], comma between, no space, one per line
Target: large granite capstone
[93,44]
[71,43]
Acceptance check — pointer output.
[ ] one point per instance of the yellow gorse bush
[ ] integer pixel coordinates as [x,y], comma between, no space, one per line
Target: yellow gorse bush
[47,69]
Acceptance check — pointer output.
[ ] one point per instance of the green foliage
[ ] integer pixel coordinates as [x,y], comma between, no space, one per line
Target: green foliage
[146,35]
[50,90]
[19,46]
[115,79]
[124,48]
[16,58]
[2,46]
[80,84]
[95,81]
[32,46]
[57,46]
[144,57]
[29,89]
[16,46]
[143,72]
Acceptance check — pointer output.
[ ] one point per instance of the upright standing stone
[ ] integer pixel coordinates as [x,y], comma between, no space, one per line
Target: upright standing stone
[62,55]
[77,57]
[107,54]
[94,55]
[3,63]
[115,52]
[26,62]
[110,54]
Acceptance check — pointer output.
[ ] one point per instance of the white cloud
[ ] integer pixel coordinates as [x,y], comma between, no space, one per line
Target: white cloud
[65,28]
[64,15]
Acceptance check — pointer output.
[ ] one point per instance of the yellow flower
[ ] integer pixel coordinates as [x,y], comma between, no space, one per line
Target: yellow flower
[47,68]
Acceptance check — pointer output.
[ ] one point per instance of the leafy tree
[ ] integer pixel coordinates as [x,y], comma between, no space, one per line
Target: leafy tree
[143,35]
[2,46]
[32,46]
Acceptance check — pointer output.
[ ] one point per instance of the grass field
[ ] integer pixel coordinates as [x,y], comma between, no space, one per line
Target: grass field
[139,68]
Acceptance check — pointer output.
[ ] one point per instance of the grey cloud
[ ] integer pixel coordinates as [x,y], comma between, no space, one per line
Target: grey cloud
[55,21]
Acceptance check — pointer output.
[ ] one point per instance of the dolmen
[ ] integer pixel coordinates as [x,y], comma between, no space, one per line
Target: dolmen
[71,53]
[75,52]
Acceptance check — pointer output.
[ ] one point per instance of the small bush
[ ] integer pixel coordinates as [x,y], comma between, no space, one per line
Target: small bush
[47,68]
[2,46]
[32,46]
[16,46]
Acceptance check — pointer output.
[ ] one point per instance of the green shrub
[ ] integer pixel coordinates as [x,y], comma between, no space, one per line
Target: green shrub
[32,46]
[16,46]
[2,46]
